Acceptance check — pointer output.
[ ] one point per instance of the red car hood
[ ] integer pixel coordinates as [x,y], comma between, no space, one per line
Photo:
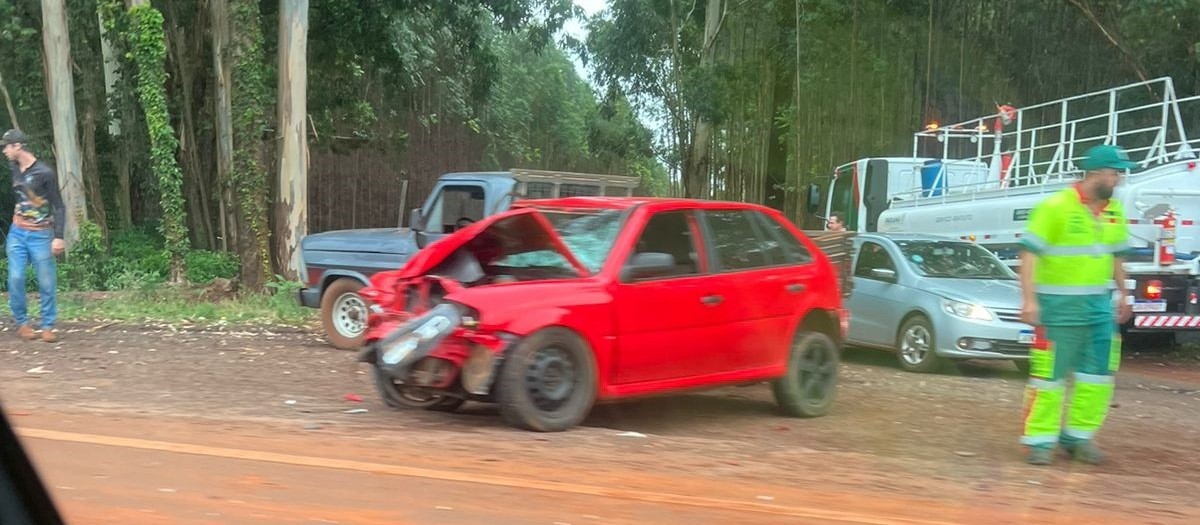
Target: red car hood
[514,231]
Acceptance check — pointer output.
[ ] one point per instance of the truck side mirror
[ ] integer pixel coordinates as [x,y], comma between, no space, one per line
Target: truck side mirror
[814,198]
[416,221]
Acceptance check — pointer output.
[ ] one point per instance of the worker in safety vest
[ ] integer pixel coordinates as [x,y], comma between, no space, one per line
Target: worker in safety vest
[1073,253]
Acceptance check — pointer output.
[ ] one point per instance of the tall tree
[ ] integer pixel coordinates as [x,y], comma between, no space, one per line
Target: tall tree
[223,109]
[697,170]
[119,102]
[291,211]
[249,102]
[149,50]
[60,87]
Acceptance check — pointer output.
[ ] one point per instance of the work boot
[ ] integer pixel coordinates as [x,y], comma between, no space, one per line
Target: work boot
[1085,452]
[49,336]
[1040,456]
[27,332]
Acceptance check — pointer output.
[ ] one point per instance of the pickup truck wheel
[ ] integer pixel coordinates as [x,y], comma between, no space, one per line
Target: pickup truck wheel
[401,396]
[548,382]
[344,313]
[915,348]
[810,386]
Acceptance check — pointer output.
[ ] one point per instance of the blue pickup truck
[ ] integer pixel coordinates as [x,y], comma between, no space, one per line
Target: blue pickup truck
[335,265]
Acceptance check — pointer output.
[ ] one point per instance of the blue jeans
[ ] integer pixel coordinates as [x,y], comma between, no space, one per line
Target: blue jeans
[31,246]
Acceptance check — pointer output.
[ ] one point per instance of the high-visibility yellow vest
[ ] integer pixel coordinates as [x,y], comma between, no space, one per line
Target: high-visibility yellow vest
[1075,246]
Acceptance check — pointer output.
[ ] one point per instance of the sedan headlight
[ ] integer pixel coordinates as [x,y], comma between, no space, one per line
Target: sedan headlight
[423,332]
[967,310]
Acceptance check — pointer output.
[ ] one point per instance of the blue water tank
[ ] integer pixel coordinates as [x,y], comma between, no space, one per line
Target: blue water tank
[933,179]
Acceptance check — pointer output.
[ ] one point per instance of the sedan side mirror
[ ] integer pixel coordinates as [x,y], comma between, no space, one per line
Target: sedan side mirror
[416,221]
[883,274]
[648,264]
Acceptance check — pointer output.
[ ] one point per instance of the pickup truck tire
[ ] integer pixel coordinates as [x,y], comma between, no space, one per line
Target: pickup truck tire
[344,313]
[548,382]
[810,386]
[915,346]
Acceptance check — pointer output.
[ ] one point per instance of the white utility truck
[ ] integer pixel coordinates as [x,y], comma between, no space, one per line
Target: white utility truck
[977,180]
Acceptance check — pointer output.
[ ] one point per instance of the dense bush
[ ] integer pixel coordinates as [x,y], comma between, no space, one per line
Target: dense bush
[135,260]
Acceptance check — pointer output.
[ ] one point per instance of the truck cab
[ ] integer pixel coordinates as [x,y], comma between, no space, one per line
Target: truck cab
[335,265]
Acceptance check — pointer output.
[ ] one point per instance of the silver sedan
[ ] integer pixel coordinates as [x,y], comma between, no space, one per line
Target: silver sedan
[935,300]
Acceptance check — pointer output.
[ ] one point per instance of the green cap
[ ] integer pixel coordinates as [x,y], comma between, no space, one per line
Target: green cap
[1105,156]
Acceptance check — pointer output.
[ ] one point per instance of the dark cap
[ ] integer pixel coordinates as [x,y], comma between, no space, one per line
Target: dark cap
[13,136]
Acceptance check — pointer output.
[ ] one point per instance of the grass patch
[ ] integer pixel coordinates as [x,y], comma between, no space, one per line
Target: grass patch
[178,306]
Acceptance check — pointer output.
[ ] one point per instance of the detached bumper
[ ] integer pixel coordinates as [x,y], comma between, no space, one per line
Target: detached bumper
[309,297]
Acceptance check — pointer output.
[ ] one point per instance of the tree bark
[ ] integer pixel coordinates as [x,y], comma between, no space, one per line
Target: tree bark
[60,88]
[292,205]
[223,111]
[12,113]
[1113,39]
[91,164]
[699,164]
[116,117]
[189,143]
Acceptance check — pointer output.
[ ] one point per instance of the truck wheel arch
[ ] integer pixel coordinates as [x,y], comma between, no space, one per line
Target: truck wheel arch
[332,276]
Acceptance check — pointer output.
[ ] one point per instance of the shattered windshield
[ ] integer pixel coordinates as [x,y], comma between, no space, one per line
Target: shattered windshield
[589,235]
[951,259]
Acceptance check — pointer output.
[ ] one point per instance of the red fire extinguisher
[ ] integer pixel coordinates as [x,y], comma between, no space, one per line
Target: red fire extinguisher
[1166,244]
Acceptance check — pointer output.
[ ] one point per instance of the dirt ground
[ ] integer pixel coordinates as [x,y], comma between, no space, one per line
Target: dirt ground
[897,448]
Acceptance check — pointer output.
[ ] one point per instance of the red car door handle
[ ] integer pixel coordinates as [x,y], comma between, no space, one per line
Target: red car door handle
[712,300]
[796,288]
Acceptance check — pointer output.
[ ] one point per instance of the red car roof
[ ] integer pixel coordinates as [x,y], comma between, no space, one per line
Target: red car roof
[621,203]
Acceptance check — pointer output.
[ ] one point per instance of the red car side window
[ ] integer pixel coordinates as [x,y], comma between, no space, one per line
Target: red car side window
[670,233]
[735,241]
[780,244]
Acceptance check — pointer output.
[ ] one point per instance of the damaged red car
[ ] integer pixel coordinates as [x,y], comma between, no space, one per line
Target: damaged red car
[556,305]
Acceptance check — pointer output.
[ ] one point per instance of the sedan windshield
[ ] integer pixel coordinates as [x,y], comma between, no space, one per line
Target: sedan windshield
[588,234]
[952,259]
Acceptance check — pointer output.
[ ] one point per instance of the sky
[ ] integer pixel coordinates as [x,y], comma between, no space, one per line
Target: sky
[576,29]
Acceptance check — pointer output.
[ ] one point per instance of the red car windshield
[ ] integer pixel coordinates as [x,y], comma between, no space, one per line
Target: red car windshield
[588,233]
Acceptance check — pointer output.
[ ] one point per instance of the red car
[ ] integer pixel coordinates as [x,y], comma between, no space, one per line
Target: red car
[558,304]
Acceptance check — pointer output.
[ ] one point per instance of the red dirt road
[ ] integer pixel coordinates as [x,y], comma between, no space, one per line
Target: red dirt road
[142,426]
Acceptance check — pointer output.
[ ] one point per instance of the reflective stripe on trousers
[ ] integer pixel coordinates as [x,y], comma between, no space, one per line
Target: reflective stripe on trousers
[1093,352]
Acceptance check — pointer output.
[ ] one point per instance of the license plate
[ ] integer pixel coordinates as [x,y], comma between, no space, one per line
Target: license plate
[1150,306]
[1026,337]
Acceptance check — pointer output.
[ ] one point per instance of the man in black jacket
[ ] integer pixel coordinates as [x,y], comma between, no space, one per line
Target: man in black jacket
[36,235]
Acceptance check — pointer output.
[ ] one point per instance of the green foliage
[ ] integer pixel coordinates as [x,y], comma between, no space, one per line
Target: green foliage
[85,265]
[250,99]
[542,114]
[181,306]
[203,266]
[136,260]
[148,50]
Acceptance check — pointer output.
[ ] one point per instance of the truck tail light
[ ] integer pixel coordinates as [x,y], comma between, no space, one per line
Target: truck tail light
[1154,290]
[1192,299]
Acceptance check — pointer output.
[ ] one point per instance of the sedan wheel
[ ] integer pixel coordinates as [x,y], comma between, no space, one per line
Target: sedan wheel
[548,382]
[916,346]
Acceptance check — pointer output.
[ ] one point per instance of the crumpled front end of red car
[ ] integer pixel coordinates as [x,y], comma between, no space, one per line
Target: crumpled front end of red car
[418,338]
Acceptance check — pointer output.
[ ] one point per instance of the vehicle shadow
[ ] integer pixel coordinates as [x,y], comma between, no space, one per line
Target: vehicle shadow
[666,414]
[685,412]
[885,359]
